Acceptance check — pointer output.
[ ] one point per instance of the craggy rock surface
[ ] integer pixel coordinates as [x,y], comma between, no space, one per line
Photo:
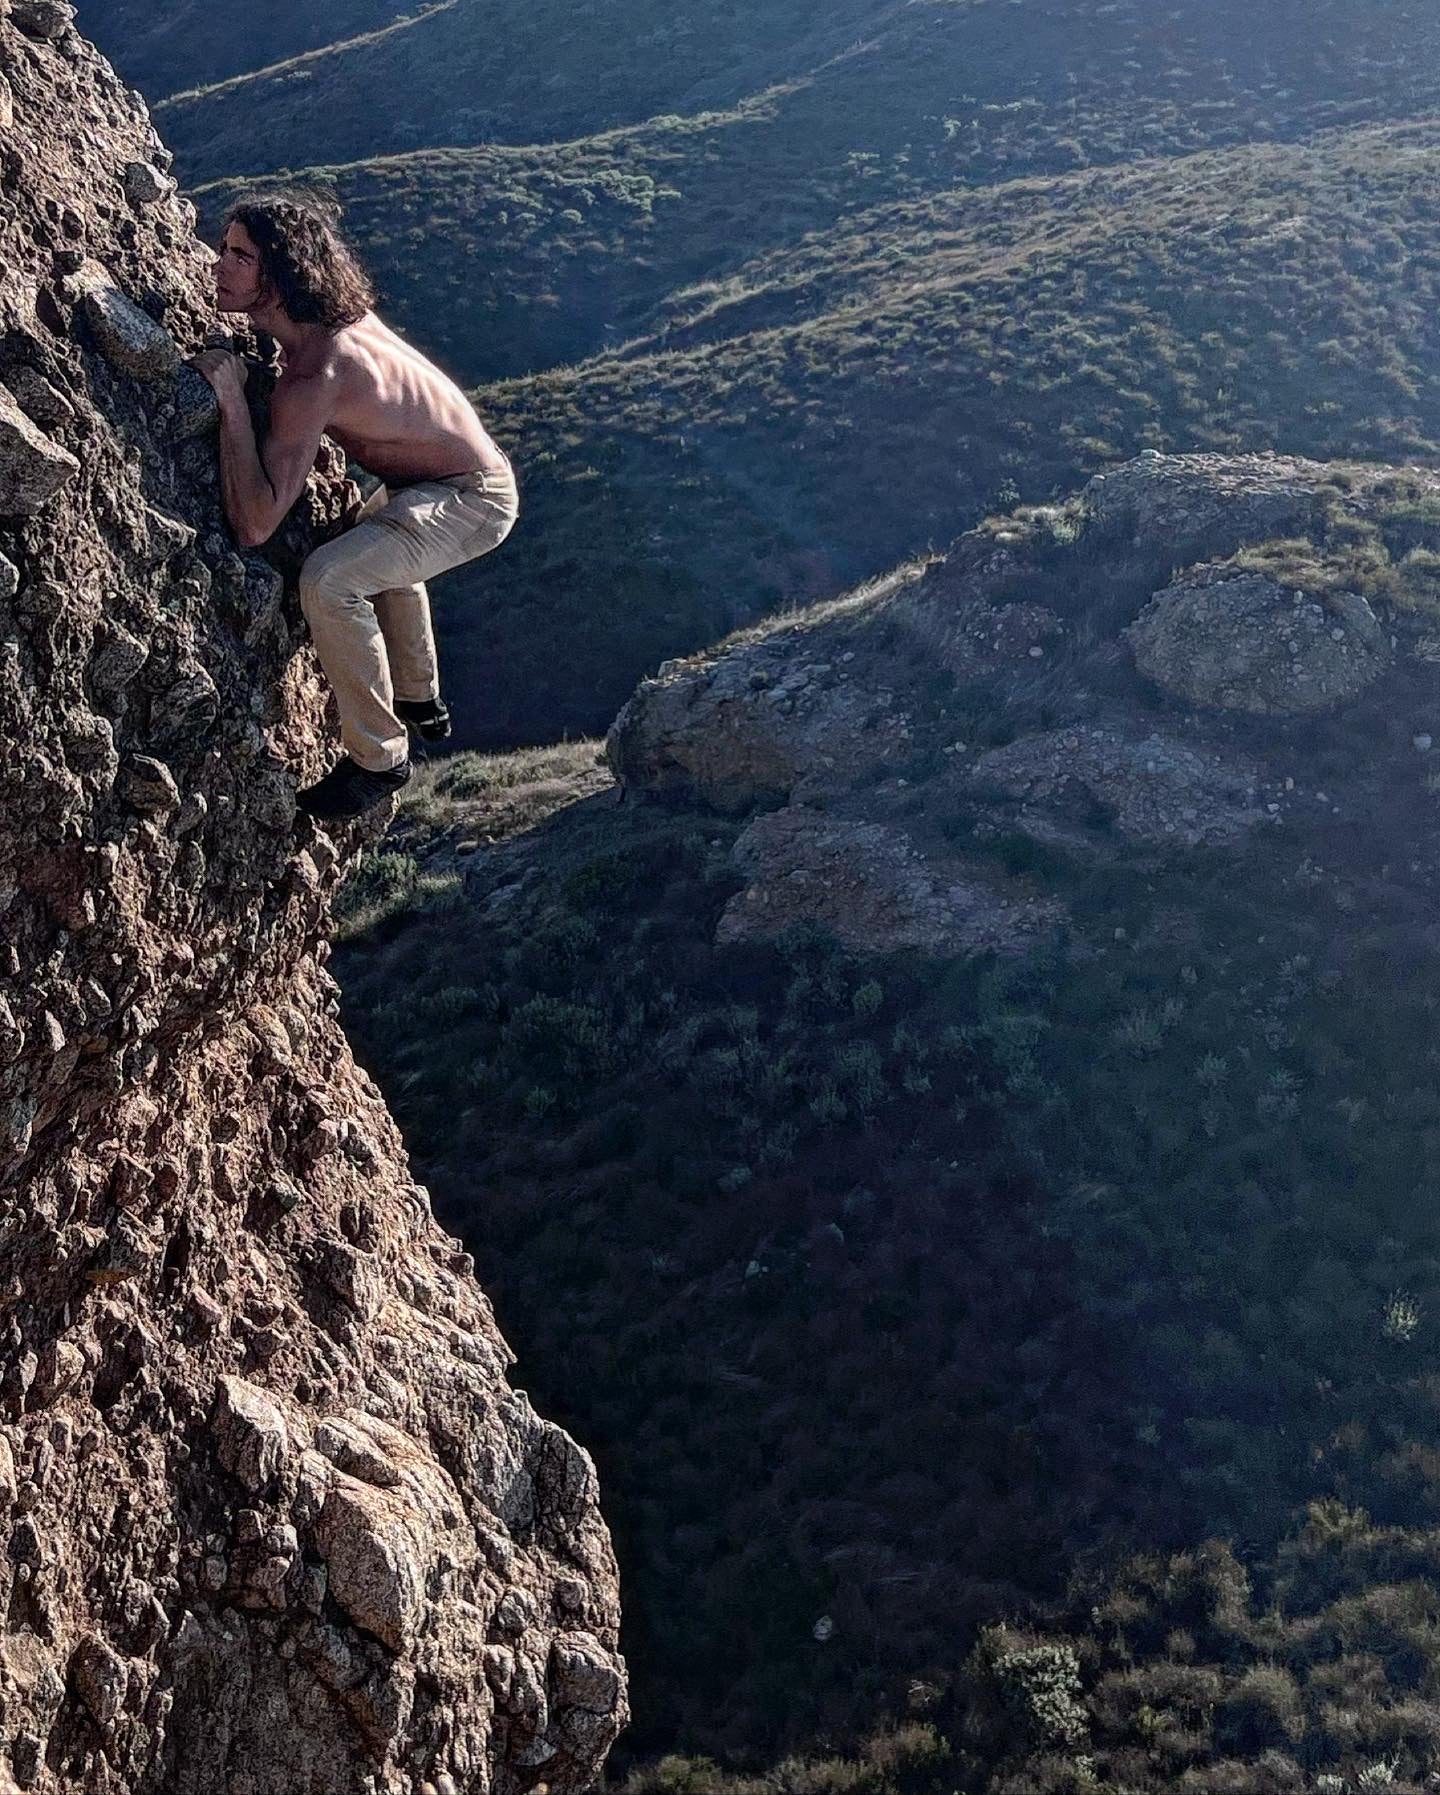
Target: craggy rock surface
[1071,679]
[272,1521]
[1154,789]
[1239,641]
[870,884]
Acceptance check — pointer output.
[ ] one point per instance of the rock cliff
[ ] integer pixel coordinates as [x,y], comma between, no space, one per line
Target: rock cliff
[272,1520]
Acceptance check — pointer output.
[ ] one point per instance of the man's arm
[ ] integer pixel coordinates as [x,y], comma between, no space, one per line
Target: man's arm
[260,489]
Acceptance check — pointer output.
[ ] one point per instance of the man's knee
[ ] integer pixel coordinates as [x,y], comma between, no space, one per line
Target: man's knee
[322,580]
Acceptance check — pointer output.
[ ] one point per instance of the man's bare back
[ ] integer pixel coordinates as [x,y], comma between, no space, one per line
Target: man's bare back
[390,409]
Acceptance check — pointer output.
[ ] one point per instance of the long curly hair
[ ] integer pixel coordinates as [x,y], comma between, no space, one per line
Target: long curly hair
[314,272]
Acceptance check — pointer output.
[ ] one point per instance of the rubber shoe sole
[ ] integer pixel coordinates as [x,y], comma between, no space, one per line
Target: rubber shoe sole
[350,790]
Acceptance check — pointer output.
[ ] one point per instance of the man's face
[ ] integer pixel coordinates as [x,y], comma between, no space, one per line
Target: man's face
[238,284]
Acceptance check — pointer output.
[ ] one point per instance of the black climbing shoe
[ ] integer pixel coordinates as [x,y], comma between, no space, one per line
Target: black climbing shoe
[349,789]
[429,717]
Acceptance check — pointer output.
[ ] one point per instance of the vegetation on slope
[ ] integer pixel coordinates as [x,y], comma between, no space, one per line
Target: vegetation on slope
[838,407]
[463,73]
[1178,77]
[902,1297]
[821,325]
[163,45]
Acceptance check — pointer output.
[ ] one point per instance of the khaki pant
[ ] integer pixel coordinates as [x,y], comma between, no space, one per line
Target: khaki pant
[364,598]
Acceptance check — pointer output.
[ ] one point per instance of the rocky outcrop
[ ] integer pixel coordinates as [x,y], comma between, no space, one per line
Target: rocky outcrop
[1238,640]
[1108,676]
[271,1517]
[873,887]
[1206,506]
[1154,789]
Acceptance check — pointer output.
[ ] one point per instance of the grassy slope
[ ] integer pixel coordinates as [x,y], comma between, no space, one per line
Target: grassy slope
[842,405]
[162,45]
[467,73]
[897,1290]
[462,74]
[509,258]
[774,347]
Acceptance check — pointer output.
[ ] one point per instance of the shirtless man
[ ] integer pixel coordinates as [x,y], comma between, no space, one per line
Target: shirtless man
[449,493]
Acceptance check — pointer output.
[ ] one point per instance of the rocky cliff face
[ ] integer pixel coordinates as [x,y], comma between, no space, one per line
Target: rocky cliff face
[271,1518]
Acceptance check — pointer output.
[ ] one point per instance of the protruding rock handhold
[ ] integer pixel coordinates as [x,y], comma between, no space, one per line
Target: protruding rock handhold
[42,18]
[378,1550]
[12,1035]
[1237,640]
[128,1252]
[124,335]
[187,707]
[7,105]
[583,1675]
[144,184]
[147,785]
[119,658]
[9,579]
[347,1443]
[40,399]
[100,1677]
[32,468]
[252,1436]
[60,1368]
[195,409]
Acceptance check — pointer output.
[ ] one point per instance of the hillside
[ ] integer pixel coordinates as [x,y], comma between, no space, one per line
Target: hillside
[180,43]
[957,1133]
[559,72]
[850,287]
[461,71]
[836,407]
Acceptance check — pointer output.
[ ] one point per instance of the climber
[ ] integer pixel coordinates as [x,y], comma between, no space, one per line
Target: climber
[448,496]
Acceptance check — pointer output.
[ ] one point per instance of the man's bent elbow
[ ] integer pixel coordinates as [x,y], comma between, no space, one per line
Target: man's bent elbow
[253,535]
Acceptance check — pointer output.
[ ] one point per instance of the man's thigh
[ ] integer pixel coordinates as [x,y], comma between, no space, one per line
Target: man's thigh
[419,532]
[443,526]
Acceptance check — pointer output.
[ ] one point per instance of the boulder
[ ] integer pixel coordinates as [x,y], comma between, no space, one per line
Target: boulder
[124,334]
[100,1677]
[378,1550]
[1156,789]
[1194,506]
[252,1437]
[145,185]
[32,468]
[148,785]
[1236,640]
[194,406]
[38,398]
[45,19]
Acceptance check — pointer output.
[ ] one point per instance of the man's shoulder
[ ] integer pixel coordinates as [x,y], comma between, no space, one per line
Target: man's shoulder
[312,373]
[304,397]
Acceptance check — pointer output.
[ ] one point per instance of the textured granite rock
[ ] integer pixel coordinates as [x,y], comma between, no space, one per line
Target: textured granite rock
[32,468]
[127,336]
[269,1508]
[1156,790]
[1239,641]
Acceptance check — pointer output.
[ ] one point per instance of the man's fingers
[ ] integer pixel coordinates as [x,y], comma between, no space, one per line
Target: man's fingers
[219,365]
